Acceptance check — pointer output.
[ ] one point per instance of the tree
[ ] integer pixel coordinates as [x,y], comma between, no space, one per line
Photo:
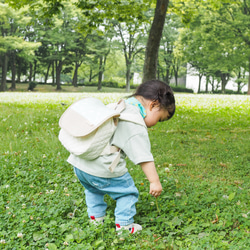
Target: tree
[131,36]
[12,44]
[153,43]
[224,26]
[167,46]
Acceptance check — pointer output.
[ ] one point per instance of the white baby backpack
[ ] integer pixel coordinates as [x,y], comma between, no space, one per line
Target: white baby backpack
[88,125]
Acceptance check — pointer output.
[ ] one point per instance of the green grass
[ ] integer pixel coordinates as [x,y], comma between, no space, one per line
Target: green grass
[202,156]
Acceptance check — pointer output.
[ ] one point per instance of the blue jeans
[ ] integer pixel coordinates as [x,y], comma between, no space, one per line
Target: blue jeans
[122,189]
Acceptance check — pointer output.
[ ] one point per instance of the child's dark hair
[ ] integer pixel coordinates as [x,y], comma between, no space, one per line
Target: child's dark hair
[156,90]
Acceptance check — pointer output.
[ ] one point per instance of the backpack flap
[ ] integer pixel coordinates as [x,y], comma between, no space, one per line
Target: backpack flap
[86,128]
[84,116]
[91,146]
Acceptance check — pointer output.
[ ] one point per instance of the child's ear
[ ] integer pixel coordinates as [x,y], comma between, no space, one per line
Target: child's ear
[154,104]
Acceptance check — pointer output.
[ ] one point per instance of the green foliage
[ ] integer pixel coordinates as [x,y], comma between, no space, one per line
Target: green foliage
[215,40]
[181,89]
[104,84]
[201,154]
[32,86]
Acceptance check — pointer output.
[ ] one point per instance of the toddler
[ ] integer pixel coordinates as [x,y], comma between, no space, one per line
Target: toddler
[154,101]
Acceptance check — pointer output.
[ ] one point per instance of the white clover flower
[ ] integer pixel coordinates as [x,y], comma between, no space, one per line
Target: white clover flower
[225,196]
[65,243]
[152,203]
[7,208]
[25,152]
[2,241]
[55,185]
[244,215]
[7,186]
[47,191]
[22,196]
[20,235]
[44,156]
[52,191]
[66,189]
[167,170]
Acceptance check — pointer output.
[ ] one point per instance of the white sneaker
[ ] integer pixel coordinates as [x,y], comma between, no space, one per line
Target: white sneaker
[97,221]
[132,228]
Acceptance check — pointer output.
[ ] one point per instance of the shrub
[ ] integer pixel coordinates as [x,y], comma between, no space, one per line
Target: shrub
[181,89]
[32,86]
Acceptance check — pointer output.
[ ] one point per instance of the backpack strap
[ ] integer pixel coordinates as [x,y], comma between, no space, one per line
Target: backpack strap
[120,107]
[115,161]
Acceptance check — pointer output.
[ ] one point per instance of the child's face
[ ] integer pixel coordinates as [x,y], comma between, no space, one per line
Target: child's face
[155,114]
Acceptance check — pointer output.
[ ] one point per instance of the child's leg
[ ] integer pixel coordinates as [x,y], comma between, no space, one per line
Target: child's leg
[96,204]
[126,195]
[93,196]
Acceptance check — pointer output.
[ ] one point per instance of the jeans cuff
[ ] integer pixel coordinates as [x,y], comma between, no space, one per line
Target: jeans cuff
[97,215]
[124,223]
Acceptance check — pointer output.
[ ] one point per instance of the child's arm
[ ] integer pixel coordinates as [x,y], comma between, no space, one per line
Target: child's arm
[151,173]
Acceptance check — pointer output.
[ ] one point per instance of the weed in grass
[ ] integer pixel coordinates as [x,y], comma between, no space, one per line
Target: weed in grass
[203,161]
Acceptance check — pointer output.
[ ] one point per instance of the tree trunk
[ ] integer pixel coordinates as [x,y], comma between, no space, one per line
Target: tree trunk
[151,54]
[34,74]
[30,75]
[176,77]
[58,74]
[3,86]
[224,80]
[53,73]
[100,74]
[199,87]
[13,71]
[207,81]
[128,70]
[74,81]
[212,83]
[47,74]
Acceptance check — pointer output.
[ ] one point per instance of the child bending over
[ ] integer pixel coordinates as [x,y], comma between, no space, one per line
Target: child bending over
[154,101]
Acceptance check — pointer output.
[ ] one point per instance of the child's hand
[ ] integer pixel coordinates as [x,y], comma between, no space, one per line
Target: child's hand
[155,189]
[151,173]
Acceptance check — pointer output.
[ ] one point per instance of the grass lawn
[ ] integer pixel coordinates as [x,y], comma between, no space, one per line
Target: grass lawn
[202,156]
